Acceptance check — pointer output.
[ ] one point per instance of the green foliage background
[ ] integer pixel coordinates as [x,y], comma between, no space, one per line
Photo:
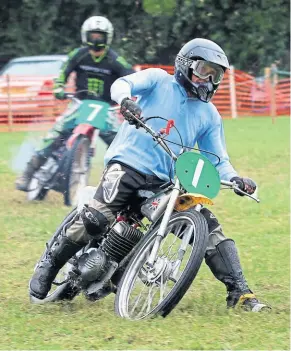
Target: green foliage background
[254,33]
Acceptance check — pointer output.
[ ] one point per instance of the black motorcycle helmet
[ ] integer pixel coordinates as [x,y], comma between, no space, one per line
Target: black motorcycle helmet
[204,59]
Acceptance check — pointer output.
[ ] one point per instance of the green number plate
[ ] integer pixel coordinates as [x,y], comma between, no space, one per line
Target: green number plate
[95,113]
[197,174]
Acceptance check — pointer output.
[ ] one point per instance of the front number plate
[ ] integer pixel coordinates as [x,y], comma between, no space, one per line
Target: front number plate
[197,174]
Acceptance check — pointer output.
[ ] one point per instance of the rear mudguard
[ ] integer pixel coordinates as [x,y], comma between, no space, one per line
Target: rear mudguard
[81,129]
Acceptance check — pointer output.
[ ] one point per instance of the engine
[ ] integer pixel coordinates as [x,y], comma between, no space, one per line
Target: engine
[120,241]
[93,264]
[100,263]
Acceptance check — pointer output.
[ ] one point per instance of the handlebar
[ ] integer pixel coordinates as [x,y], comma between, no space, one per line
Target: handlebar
[159,139]
[69,95]
[156,136]
[234,186]
[73,96]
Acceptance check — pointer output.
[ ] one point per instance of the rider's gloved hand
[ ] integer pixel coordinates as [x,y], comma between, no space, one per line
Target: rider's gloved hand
[59,93]
[131,106]
[245,184]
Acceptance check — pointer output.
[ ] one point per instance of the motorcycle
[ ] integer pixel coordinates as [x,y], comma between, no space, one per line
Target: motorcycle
[151,254]
[68,167]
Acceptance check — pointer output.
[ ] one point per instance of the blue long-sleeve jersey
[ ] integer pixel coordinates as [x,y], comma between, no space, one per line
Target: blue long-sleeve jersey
[159,94]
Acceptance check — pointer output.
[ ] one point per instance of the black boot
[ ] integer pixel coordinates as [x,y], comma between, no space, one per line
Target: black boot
[32,166]
[48,268]
[225,265]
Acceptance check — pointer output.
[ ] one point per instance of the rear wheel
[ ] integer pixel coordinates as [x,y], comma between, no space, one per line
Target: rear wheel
[148,291]
[62,288]
[76,170]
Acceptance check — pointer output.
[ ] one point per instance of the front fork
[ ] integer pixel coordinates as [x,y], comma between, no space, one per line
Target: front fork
[162,229]
[164,223]
[92,146]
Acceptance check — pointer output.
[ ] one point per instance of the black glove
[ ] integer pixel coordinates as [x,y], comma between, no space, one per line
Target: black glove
[59,93]
[129,105]
[245,184]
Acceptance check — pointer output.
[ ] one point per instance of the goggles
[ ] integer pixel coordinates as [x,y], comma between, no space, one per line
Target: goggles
[205,69]
[96,39]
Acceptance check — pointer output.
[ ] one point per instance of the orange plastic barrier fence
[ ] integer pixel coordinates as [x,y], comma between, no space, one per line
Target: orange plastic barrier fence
[283,96]
[27,103]
[252,96]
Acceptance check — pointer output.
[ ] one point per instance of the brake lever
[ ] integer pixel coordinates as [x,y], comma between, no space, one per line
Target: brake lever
[139,122]
[235,187]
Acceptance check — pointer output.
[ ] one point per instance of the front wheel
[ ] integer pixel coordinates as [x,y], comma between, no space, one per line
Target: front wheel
[76,170]
[36,190]
[148,291]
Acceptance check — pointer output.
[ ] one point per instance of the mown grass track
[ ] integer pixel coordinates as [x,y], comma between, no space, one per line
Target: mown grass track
[258,149]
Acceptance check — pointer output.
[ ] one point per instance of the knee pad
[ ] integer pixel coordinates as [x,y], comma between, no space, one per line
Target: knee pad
[210,219]
[94,221]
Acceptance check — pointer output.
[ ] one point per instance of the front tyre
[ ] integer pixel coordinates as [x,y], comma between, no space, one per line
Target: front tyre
[148,291]
[36,190]
[76,170]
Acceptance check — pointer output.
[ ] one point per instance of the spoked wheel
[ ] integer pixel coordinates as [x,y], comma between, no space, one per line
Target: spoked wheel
[148,291]
[61,287]
[77,170]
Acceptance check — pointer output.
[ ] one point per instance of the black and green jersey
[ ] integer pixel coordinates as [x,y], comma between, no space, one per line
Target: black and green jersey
[92,73]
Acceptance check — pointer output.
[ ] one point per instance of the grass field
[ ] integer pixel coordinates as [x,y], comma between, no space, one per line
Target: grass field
[258,149]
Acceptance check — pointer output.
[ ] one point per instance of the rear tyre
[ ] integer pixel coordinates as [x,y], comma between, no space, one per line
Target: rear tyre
[76,170]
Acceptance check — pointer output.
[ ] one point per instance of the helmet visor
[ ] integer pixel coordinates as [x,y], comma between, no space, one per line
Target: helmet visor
[206,69]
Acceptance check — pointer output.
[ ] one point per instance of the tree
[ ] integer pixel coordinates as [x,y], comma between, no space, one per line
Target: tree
[253,33]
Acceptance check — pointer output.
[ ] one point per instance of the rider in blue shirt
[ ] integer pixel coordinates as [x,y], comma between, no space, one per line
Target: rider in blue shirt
[160,94]
[134,162]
